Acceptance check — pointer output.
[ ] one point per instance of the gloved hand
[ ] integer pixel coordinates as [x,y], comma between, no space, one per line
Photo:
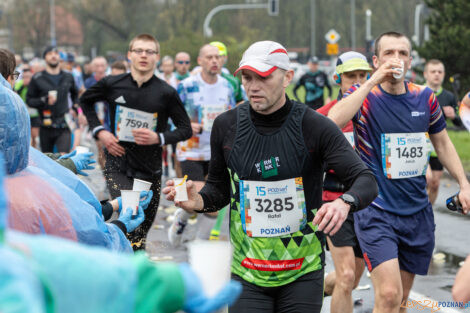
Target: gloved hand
[82,161]
[144,203]
[3,198]
[195,301]
[68,155]
[130,222]
[145,198]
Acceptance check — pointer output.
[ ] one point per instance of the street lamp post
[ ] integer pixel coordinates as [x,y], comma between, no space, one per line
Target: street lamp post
[312,27]
[419,8]
[52,19]
[368,31]
[353,24]
[269,5]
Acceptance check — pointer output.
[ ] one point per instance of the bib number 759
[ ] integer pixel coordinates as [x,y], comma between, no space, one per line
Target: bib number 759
[136,123]
[268,205]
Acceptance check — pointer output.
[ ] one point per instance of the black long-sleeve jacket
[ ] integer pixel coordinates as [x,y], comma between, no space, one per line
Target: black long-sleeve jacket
[37,96]
[154,96]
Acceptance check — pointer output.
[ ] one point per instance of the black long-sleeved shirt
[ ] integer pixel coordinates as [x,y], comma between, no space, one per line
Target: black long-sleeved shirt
[447,98]
[314,84]
[327,146]
[154,96]
[37,95]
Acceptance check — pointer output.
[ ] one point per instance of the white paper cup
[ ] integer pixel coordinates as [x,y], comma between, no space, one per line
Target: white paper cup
[181,193]
[141,185]
[130,199]
[82,149]
[211,261]
[52,93]
[401,69]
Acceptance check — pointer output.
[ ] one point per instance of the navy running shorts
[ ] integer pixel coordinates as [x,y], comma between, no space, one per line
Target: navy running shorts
[384,236]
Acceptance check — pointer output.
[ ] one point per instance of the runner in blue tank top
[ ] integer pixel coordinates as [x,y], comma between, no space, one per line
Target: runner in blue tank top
[395,121]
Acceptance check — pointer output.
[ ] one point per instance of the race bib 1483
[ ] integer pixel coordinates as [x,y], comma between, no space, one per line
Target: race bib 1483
[405,155]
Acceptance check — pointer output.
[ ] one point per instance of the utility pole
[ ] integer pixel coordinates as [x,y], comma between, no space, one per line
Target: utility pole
[353,24]
[312,27]
[272,6]
[52,19]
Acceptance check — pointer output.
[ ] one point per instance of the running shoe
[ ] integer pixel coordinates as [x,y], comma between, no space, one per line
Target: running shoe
[175,232]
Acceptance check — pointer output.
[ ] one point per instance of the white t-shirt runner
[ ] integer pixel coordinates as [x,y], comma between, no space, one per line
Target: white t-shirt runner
[203,103]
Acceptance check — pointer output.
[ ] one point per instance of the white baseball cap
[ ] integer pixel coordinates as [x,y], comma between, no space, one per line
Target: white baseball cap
[263,57]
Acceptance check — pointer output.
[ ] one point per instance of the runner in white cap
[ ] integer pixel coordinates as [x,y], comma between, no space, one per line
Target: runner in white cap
[268,156]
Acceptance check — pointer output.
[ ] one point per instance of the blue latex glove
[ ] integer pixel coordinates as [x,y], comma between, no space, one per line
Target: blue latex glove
[144,203]
[3,198]
[195,301]
[145,198]
[68,155]
[130,222]
[82,161]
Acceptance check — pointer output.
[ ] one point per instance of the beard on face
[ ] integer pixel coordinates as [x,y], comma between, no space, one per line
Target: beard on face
[53,65]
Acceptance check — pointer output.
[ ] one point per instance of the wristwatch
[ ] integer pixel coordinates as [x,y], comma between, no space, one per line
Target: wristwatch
[349,199]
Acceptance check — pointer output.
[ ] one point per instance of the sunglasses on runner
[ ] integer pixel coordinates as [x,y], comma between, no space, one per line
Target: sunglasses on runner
[182,62]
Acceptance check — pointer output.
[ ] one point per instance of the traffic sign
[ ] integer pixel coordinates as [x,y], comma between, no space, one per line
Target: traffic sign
[332,48]
[332,36]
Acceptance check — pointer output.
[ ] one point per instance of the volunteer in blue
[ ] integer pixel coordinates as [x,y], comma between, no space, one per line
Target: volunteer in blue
[140,105]
[268,156]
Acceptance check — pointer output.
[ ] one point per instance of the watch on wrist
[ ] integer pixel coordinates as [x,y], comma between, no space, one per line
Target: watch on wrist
[349,199]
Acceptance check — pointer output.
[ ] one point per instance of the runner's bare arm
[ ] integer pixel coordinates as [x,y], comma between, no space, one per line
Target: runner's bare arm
[331,216]
[460,291]
[343,111]
[450,159]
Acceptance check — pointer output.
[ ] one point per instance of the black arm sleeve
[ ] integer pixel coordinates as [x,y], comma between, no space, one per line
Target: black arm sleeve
[297,86]
[33,96]
[216,191]
[328,86]
[180,118]
[120,225]
[457,121]
[74,95]
[106,210]
[95,93]
[339,156]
